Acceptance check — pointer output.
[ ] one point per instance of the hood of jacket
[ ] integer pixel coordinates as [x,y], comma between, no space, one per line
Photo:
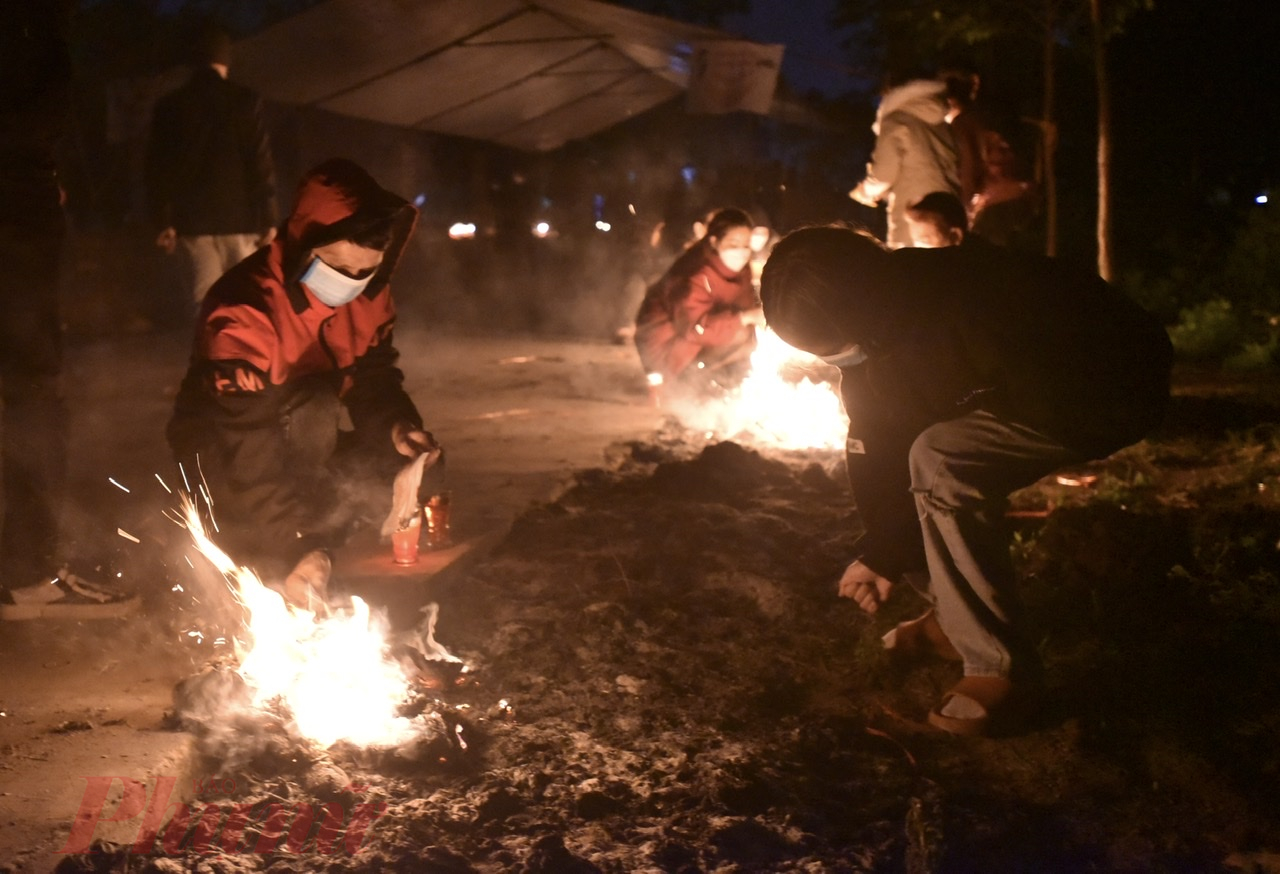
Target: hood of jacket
[335,201]
[827,288]
[922,98]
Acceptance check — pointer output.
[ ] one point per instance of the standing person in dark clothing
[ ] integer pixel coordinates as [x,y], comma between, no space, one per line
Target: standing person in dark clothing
[210,175]
[290,344]
[967,372]
[696,324]
[35,79]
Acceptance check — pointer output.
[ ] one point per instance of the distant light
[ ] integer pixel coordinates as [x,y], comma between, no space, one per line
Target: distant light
[678,60]
[462,231]
[420,200]
[1261,199]
[631,208]
[604,226]
[542,229]
[759,237]
[689,173]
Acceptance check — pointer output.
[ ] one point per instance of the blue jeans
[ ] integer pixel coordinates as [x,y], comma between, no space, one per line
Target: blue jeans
[962,472]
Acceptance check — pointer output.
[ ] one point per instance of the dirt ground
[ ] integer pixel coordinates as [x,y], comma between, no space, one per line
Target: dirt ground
[517,417]
[659,676]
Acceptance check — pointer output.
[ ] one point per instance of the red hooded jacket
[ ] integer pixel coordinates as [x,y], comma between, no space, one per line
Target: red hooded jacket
[697,304]
[263,341]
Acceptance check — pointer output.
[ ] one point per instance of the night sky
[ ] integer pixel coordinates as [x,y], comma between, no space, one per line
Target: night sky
[1195,81]
[814,59]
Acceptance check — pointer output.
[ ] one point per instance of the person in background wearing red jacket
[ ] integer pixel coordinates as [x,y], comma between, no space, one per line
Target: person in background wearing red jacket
[696,326]
[293,395]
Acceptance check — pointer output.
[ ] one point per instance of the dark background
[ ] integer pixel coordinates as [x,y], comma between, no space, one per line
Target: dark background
[1195,145]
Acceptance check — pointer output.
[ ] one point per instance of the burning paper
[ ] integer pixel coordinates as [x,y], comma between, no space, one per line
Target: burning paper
[334,675]
[771,409]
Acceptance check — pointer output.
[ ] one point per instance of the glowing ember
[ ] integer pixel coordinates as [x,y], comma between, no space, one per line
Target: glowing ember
[771,409]
[333,674]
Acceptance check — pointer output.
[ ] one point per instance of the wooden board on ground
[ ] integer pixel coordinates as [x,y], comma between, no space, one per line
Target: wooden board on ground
[366,556]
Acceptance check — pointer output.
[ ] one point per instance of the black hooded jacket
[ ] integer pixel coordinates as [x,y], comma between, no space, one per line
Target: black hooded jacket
[975,327]
[209,165]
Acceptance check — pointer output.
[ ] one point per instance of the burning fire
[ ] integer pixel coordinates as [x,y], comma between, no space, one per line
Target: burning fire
[333,674]
[769,408]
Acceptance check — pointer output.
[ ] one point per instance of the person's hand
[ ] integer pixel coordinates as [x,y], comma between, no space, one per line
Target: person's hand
[864,586]
[167,240]
[411,441]
[307,586]
[752,317]
[267,238]
[862,196]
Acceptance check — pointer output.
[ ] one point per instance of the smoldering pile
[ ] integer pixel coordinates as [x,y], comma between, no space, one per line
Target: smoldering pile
[234,733]
[662,687]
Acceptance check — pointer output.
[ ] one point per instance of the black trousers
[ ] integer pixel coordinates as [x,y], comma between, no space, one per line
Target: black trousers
[338,480]
[33,449]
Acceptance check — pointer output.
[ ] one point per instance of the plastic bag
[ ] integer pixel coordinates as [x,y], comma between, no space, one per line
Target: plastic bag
[404,492]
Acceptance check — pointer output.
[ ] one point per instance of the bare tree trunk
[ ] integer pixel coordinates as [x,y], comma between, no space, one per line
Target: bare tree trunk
[1049,131]
[1105,267]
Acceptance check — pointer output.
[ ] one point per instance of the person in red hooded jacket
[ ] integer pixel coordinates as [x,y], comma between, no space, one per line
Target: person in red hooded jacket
[697,323]
[289,343]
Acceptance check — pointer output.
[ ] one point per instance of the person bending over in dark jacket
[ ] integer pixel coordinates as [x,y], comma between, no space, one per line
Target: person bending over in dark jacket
[696,324]
[290,343]
[967,373]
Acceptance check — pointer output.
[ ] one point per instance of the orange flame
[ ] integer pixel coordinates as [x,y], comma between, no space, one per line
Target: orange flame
[770,409]
[333,673]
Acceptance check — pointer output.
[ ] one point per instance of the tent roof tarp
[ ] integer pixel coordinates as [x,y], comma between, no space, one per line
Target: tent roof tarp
[530,74]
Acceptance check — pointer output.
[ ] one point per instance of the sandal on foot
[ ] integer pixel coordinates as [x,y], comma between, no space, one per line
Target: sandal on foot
[920,637]
[67,596]
[971,705]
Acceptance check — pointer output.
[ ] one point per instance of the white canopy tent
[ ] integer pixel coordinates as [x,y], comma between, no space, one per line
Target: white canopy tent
[530,74]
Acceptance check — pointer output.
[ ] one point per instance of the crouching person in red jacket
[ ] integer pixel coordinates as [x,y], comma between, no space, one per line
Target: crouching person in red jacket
[293,409]
[696,326]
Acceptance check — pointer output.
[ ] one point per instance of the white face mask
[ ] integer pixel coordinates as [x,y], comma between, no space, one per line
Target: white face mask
[735,259]
[332,287]
[848,358]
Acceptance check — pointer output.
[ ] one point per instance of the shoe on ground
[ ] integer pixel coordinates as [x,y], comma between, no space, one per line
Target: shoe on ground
[66,596]
[976,707]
